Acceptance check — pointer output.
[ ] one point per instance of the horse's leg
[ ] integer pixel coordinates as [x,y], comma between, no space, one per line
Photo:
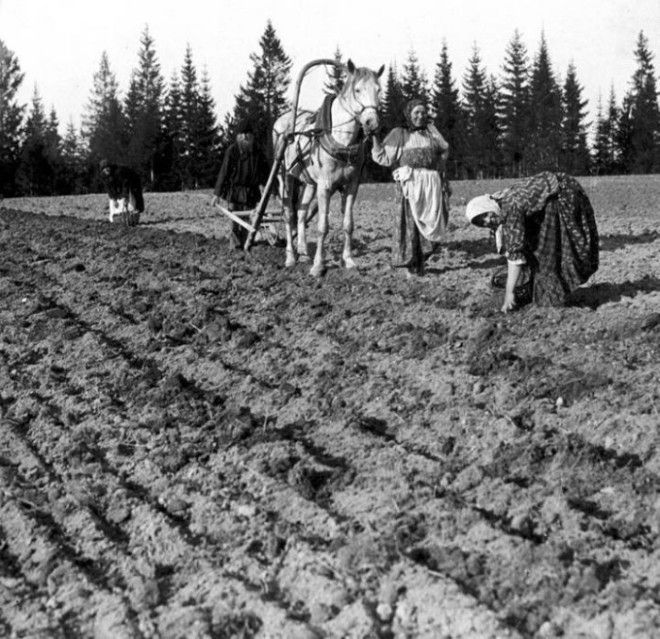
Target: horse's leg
[303,207]
[323,198]
[347,202]
[287,205]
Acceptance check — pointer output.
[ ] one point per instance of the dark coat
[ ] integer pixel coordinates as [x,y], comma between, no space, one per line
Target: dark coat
[241,174]
[124,182]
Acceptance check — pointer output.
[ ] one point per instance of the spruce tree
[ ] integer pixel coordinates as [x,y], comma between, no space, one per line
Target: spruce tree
[447,113]
[623,136]
[574,151]
[169,170]
[645,113]
[601,149]
[475,97]
[393,101]
[263,98]
[132,109]
[11,118]
[605,159]
[514,93]
[104,127]
[612,120]
[492,129]
[335,75]
[192,133]
[144,109]
[414,84]
[207,138]
[73,163]
[35,175]
[189,108]
[53,147]
[545,114]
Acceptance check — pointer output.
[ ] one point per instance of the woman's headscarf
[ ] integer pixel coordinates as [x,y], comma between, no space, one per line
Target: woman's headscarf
[480,205]
[486,204]
[408,111]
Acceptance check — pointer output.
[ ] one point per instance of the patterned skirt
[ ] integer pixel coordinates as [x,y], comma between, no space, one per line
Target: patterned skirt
[564,242]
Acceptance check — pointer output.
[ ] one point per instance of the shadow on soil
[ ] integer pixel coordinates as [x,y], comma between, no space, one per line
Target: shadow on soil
[598,294]
[614,242]
[474,248]
[169,220]
[492,263]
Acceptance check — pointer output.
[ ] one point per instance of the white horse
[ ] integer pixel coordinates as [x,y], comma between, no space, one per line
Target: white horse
[326,156]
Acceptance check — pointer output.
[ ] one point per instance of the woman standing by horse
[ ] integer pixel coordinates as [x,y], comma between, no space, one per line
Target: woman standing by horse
[419,154]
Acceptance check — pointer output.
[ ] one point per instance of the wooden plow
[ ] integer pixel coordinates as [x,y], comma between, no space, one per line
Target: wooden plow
[252,220]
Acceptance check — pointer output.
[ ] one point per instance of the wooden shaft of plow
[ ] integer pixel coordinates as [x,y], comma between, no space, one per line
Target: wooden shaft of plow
[236,218]
[263,203]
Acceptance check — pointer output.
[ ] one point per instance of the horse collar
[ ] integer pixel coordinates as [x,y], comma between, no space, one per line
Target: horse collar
[344,153]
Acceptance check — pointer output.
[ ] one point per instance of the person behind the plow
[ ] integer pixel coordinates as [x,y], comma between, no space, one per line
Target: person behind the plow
[124,191]
[418,153]
[545,226]
[244,169]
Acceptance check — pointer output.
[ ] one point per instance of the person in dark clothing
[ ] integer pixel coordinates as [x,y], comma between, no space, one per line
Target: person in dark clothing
[545,225]
[124,190]
[244,169]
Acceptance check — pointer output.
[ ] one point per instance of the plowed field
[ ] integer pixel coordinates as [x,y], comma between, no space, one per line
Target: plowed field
[198,444]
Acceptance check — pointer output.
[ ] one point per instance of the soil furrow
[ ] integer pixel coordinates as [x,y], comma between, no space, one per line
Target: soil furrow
[22,607]
[54,560]
[242,450]
[136,577]
[141,494]
[289,435]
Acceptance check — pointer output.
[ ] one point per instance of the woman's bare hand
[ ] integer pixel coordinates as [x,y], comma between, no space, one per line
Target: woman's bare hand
[509,303]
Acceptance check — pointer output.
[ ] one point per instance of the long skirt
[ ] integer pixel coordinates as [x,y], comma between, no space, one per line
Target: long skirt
[421,220]
[564,242]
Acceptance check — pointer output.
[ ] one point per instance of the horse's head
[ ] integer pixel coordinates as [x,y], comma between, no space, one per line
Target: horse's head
[361,95]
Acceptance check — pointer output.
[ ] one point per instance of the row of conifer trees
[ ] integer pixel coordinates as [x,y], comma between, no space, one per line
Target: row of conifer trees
[513,124]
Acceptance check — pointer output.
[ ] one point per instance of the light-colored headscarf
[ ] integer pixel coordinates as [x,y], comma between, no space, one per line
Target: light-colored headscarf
[480,205]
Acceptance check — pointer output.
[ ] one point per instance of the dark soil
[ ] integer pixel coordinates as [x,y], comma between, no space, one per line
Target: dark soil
[195,443]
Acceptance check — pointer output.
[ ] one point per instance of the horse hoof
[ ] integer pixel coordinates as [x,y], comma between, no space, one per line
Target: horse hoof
[304,258]
[318,270]
[349,262]
[290,261]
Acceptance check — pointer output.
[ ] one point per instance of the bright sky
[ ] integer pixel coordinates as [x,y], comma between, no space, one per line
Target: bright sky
[59,43]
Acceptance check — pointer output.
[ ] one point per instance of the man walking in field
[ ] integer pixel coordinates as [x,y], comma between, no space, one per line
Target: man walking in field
[244,169]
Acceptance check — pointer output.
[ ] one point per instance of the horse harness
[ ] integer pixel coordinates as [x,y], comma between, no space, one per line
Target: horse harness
[347,153]
[321,134]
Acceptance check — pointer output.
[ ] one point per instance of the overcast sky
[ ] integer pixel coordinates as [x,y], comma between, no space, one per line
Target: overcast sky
[59,43]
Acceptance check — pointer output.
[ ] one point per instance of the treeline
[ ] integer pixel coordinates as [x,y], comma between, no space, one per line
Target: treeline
[516,123]
[168,131]
[524,120]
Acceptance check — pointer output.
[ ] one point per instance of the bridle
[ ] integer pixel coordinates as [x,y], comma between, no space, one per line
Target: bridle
[355,115]
[322,132]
